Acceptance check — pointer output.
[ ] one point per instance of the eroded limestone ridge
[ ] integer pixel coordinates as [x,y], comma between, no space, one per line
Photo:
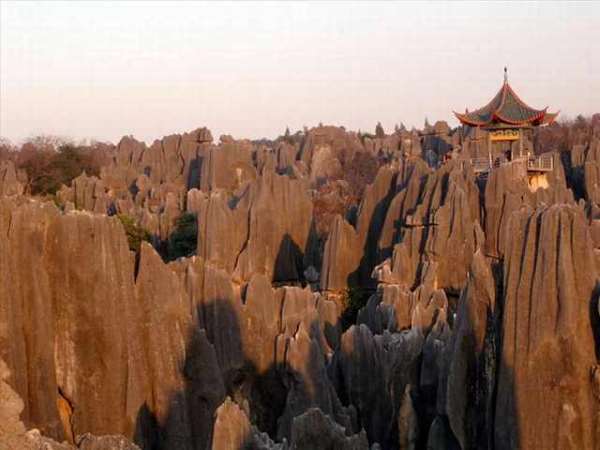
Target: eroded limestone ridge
[346,291]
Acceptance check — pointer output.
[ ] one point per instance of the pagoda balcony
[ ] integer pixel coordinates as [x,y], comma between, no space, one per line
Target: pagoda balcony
[538,164]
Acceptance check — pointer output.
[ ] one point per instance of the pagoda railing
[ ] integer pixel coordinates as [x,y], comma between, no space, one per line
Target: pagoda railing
[480,164]
[543,163]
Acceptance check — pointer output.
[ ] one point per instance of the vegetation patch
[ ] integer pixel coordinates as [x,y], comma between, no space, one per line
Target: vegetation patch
[135,233]
[353,300]
[184,239]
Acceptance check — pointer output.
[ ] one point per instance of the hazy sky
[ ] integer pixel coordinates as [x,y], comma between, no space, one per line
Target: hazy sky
[102,70]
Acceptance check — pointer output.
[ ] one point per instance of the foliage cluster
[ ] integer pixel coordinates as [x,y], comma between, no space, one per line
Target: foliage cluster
[353,300]
[566,133]
[135,233]
[360,172]
[184,239]
[329,200]
[49,162]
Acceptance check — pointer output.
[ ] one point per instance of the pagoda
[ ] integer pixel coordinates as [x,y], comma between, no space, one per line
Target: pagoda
[507,119]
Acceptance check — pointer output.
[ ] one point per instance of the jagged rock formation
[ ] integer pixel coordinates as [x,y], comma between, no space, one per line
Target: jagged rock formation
[592,172]
[9,182]
[473,360]
[232,430]
[14,436]
[437,232]
[506,191]
[544,384]
[314,430]
[373,372]
[324,150]
[481,329]
[173,341]
[264,230]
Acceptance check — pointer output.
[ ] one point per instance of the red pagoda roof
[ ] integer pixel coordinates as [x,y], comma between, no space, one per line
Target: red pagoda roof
[506,108]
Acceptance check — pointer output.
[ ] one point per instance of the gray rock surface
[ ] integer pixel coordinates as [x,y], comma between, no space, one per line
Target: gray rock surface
[316,431]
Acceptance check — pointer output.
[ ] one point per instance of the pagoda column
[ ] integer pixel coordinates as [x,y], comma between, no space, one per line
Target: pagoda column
[520,143]
[489,142]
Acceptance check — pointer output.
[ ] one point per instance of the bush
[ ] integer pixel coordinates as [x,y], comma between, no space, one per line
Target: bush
[360,172]
[184,239]
[51,164]
[135,233]
[354,299]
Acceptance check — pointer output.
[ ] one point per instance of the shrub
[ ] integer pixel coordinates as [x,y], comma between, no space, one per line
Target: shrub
[353,300]
[50,163]
[360,172]
[135,233]
[184,239]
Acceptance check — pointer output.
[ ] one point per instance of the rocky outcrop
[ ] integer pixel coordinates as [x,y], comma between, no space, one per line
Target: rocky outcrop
[162,328]
[79,298]
[171,343]
[341,256]
[396,308]
[507,190]
[544,385]
[315,431]
[108,442]
[371,373]
[351,252]
[13,434]
[11,406]
[324,150]
[232,430]
[173,159]
[26,312]
[91,299]
[482,329]
[227,166]
[222,229]
[265,230]
[307,382]
[441,228]
[279,223]
[592,172]
[409,184]
[473,360]
[85,193]
[311,430]
[9,182]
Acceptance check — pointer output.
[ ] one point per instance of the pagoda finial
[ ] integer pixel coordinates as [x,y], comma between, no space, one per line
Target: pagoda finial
[505,74]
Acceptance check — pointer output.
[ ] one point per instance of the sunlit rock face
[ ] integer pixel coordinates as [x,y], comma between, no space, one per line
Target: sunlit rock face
[548,347]
[9,182]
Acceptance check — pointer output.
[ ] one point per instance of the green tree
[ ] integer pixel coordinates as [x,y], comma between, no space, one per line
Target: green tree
[184,239]
[354,299]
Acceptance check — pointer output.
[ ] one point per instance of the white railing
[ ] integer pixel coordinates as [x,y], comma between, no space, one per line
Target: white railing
[480,164]
[543,163]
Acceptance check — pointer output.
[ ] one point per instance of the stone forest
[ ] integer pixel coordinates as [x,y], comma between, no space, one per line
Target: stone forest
[329,289]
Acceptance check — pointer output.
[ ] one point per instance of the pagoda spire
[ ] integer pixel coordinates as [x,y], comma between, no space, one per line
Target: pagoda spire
[505,75]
